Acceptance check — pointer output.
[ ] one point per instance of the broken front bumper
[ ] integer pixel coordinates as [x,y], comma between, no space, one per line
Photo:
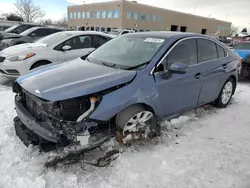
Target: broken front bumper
[67,134]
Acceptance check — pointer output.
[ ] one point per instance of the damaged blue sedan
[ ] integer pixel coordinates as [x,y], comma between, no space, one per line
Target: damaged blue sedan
[124,87]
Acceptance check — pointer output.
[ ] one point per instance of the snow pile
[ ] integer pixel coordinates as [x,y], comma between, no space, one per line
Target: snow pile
[206,147]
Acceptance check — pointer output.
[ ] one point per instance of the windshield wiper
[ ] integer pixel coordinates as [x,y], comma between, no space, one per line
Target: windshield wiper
[108,65]
[137,66]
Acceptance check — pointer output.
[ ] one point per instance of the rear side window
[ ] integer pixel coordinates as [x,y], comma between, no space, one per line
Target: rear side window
[98,41]
[221,51]
[40,32]
[184,52]
[207,50]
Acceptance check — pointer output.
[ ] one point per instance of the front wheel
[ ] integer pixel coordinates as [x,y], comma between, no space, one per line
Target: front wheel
[226,93]
[136,122]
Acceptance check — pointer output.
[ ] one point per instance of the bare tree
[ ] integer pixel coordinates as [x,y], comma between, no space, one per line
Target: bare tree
[62,22]
[47,22]
[233,30]
[29,11]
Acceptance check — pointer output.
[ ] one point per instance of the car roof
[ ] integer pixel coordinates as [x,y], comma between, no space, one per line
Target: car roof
[166,34]
[88,33]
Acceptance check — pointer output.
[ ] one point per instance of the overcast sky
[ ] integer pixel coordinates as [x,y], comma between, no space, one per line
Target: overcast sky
[236,11]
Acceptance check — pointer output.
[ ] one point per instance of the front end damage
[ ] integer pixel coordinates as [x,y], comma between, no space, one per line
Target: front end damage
[61,124]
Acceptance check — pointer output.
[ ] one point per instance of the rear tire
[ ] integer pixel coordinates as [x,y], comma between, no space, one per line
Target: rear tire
[226,93]
[38,64]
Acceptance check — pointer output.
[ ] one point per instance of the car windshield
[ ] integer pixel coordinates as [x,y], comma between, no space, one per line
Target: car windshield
[243,46]
[127,52]
[9,30]
[54,38]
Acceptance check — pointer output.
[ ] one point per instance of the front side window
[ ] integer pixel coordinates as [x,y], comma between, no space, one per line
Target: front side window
[183,52]
[116,14]
[104,14]
[78,42]
[98,14]
[110,14]
[206,50]
[129,15]
[136,16]
[79,15]
[127,52]
[98,41]
[40,32]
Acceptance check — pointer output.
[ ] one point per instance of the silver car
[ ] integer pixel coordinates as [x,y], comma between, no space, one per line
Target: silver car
[56,48]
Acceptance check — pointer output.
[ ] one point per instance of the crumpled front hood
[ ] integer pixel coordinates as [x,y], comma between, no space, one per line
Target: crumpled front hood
[23,48]
[242,53]
[72,79]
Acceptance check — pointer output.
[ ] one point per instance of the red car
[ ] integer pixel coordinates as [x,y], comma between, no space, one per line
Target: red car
[239,39]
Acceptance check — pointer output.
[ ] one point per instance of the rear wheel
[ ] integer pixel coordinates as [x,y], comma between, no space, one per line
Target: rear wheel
[38,64]
[136,122]
[226,93]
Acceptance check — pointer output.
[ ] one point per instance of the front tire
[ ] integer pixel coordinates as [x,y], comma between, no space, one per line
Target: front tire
[136,120]
[226,93]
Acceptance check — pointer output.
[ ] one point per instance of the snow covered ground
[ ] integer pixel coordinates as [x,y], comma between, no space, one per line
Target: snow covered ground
[206,147]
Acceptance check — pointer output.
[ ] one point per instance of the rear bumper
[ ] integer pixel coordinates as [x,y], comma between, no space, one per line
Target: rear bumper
[40,128]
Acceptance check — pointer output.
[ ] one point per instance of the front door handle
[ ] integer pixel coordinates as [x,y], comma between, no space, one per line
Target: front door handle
[197,76]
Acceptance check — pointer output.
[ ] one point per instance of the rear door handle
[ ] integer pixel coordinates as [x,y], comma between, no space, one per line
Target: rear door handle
[197,76]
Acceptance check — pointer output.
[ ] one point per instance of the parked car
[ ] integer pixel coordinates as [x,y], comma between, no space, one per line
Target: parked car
[243,50]
[56,48]
[240,38]
[118,32]
[132,81]
[28,36]
[16,29]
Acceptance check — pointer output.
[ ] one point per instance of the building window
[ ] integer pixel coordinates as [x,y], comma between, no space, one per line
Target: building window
[129,15]
[103,29]
[174,27]
[97,28]
[203,31]
[116,14]
[98,14]
[104,14]
[75,15]
[87,14]
[79,15]
[154,19]
[83,15]
[141,30]
[183,29]
[108,29]
[136,16]
[71,15]
[92,28]
[148,18]
[87,28]
[92,15]
[142,16]
[159,19]
[110,14]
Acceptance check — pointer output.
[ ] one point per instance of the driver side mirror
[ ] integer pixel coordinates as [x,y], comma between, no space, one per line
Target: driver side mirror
[66,48]
[178,68]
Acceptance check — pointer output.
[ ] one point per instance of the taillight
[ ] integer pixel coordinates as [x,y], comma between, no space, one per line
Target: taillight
[241,61]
